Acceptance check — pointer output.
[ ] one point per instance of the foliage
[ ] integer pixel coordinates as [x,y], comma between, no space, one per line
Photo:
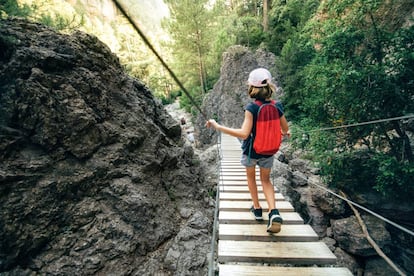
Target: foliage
[189,36]
[368,171]
[287,20]
[249,31]
[350,63]
[113,30]
[296,53]
[61,23]
[198,39]
[187,104]
[355,82]
[246,23]
[170,97]
[50,13]
[394,177]
[12,8]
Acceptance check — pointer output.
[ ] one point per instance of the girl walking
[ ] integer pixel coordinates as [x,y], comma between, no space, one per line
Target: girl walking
[260,89]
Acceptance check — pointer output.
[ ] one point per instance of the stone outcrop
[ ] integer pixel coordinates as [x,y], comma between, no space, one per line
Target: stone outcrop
[95,177]
[348,234]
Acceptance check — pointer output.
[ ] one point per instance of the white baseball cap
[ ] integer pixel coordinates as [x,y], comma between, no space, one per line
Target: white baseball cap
[259,77]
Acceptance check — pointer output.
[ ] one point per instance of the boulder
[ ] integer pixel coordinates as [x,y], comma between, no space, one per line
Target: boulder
[186,256]
[94,173]
[348,233]
[378,266]
[331,205]
[347,260]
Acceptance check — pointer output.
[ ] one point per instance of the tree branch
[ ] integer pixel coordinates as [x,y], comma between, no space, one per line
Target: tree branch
[370,240]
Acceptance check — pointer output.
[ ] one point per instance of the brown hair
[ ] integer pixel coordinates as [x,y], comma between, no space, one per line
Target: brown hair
[262,93]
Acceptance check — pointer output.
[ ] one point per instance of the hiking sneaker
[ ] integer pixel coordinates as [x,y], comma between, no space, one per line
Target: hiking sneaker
[257,213]
[275,222]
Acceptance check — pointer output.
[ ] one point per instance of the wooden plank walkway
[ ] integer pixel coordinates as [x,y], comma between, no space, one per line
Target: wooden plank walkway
[244,246]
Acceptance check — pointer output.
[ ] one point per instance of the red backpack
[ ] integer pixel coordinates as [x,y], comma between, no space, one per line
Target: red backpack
[268,132]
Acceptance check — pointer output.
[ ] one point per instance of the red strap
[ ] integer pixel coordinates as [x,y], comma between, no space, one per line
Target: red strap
[259,102]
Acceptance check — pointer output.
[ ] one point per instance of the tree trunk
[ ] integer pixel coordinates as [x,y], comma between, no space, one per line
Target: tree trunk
[266,4]
[201,65]
[407,153]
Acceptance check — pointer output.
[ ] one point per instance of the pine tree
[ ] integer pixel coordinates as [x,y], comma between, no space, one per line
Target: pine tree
[188,27]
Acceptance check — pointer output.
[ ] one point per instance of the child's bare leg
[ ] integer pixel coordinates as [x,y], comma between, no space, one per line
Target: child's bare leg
[275,220]
[268,189]
[251,182]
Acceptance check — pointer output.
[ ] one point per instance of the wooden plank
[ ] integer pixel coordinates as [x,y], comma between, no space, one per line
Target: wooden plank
[241,188]
[239,175]
[234,177]
[235,168]
[257,232]
[300,253]
[238,188]
[240,180]
[237,182]
[233,205]
[230,162]
[259,270]
[226,137]
[235,173]
[246,196]
[247,218]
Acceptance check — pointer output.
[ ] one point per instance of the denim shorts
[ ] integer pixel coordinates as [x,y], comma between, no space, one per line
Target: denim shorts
[266,162]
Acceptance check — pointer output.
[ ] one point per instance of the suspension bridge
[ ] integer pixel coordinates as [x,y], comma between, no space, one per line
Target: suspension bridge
[245,248]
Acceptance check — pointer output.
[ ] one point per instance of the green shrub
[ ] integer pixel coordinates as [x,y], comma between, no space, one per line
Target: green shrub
[366,171]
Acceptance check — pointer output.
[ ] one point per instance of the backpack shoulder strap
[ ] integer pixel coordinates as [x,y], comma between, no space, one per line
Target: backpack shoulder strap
[258,102]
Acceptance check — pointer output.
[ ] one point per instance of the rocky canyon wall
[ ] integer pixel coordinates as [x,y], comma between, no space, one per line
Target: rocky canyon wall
[94,175]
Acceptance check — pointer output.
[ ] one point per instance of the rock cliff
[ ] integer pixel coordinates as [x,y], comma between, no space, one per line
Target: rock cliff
[95,177]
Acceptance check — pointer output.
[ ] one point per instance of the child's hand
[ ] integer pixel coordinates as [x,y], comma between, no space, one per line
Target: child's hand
[211,123]
[286,134]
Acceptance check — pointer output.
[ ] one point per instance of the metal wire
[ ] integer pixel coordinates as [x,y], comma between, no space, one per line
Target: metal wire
[358,205]
[360,124]
[211,269]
